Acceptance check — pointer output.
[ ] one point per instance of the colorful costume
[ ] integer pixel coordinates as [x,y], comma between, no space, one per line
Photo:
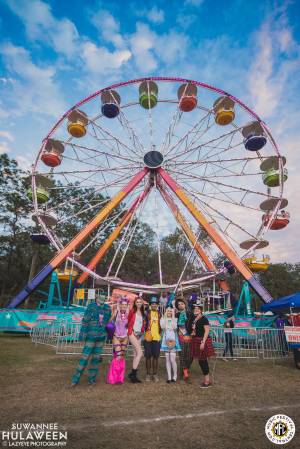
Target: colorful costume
[185,357]
[116,372]
[152,335]
[93,334]
[169,335]
[170,345]
[135,330]
[196,327]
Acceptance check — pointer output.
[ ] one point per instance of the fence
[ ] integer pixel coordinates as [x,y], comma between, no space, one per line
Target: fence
[265,343]
[238,343]
[68,342]
[46,331]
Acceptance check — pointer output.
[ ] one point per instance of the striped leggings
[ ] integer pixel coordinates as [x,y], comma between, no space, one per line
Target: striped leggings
[90,357]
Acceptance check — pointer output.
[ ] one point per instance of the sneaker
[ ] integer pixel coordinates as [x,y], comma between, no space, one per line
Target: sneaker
[203,385]
[168,381]
[173,380]
[235,360]
[148,378]
[73,385]
[225,360]
[155,378]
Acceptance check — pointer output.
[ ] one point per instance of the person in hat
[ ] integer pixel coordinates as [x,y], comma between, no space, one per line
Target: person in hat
[185,358]
[201,344]
[170,343]
[93,334]
[152,340]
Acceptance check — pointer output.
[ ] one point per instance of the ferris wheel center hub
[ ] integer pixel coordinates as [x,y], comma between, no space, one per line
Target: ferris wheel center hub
[153,159]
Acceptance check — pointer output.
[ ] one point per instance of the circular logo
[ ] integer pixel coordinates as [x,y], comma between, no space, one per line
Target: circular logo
[280,429]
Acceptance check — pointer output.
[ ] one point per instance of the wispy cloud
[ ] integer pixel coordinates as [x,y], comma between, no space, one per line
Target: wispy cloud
[7,135]
[101,60]
[33,88]
[41,26]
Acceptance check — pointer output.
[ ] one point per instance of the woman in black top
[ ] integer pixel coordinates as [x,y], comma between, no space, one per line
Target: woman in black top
[201,345]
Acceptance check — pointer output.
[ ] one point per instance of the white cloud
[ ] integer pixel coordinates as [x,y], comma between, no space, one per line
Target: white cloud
[142,44]
[150,49]
[4,147]
[156,15]
[269,72]
[42,26]
[24,162]
[34,88]
[108,27]
[195,3]
[7,135]
[185,20]
[100,60]
[171,47]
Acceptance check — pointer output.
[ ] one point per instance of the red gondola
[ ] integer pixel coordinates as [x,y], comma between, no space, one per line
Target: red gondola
[279,222]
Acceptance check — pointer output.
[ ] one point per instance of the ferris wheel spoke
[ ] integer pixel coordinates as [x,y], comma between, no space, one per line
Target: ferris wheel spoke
[127,126]
[243,159]
[137,222]
[202,145]
[83,211]
[104,162]
[224,217]
[84,197]
[228,200]
[104,131]
[233,187]
[217,146]
[213,219]
[170,132]
[218,168]
[104,226]
[141,201]
[84,148]
[196,129]
[96,170]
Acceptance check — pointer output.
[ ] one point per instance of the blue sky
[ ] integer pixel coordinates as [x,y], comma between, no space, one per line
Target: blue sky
[54,53]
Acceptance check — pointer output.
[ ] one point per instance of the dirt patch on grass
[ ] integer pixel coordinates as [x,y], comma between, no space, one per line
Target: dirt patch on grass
[231,415]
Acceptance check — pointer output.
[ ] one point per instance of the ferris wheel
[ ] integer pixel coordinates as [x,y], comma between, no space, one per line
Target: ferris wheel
[153,148]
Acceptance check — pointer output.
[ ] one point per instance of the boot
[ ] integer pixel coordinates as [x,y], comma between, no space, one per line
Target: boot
[185,374]
[133,377]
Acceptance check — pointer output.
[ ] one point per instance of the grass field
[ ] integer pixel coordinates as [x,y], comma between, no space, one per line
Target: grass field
[35,386]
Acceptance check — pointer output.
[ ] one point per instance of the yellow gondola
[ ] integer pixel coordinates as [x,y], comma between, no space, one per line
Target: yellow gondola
[224,111]
[66,274]
[77,123]
[257,264]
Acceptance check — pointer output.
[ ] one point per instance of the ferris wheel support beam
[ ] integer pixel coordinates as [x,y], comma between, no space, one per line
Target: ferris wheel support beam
[79,238]
[216,237]
[113,236]
[190,234]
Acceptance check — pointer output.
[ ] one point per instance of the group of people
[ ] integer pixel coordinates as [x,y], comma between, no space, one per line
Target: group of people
[181,330]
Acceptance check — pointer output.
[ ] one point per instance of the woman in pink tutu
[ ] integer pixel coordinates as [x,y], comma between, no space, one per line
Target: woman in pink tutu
[116,372]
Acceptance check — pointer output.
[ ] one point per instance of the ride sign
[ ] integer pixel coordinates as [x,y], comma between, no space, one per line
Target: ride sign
[292,334]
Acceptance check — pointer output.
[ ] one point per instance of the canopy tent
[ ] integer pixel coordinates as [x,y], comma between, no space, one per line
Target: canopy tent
[287,302]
